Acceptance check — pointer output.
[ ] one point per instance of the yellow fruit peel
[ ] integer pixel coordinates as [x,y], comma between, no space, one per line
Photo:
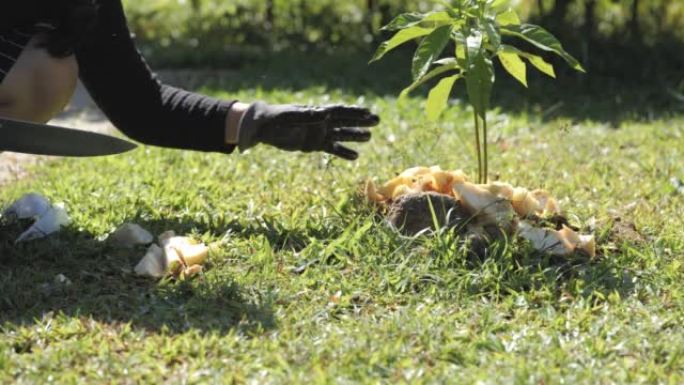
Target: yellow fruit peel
[497,203]
[180,257]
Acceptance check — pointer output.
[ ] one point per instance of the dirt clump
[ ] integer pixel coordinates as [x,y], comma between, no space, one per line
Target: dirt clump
[625,232]
[412,214]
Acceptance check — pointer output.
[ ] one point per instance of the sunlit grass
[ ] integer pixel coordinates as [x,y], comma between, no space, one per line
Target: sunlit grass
[311,286]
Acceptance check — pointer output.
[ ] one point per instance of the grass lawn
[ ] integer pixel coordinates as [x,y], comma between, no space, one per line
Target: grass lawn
[310,286]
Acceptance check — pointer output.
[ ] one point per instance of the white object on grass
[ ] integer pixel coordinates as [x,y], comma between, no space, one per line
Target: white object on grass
[177,256]
[546,240]
[488,208]
[174,261]
[563,242]
[48,223]
[31,205]
[194,254]
[153,263]
[61,279]
[130,235]
[189,251]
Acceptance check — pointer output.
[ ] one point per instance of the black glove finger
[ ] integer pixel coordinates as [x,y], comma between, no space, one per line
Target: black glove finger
[350,134]
[304,116]
[352,116]
[331,116]
[342,151]
[345,122]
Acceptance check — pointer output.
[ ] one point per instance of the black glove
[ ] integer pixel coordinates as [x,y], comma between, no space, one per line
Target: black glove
[301,128]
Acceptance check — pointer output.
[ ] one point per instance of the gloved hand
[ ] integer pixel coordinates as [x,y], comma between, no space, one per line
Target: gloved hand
[307,129]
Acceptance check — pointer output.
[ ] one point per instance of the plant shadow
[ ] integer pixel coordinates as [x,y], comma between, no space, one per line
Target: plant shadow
[508,267]
[575,276]
[75,274]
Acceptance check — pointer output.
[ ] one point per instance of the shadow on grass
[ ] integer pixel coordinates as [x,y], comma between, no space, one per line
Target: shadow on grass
[101,286]
[507,268]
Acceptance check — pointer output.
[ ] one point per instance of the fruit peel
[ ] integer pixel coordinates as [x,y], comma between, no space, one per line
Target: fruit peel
[131,235]
[176,256]
[496,204]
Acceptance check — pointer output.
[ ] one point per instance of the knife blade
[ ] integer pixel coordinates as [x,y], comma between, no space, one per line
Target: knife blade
[43,139]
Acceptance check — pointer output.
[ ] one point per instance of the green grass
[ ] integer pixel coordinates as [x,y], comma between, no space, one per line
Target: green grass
[370,306]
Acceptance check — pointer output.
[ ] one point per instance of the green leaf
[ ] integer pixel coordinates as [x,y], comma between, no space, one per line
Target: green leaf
[542,39]
[509,17]
[446,61]
[473,46]
[408,20]
[461,49]
[446,65]
[404,20]
[398,39]
[493,34]
[542,65]
[429,50]
[439,97]
[449,8]
[461,56]
[437,19]
[514,65]
[497,5]
[479,82]
[537,61]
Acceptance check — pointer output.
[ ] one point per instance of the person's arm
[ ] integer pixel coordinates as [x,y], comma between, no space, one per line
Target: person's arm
[122,84]
[137,103]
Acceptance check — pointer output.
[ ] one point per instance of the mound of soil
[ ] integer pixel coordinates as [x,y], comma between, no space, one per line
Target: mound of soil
[413,213]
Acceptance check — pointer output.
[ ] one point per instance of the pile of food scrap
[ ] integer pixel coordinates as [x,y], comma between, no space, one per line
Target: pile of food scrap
[422,198]
[175,256]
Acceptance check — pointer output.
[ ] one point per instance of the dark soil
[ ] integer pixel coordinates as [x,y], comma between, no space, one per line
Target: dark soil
[412,214]
[625,231]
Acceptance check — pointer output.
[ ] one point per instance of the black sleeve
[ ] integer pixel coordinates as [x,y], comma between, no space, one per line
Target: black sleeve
[122,85]
[17,13]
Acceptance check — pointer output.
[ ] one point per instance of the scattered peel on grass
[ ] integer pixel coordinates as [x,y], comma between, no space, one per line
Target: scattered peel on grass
[180,257]
[487,208]
[130,235]
[495,204]
[153,264]
[558,242]
[31,205]
[49,218]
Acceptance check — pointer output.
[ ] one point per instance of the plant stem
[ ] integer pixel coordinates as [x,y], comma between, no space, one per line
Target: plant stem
[484,142]
[477,146]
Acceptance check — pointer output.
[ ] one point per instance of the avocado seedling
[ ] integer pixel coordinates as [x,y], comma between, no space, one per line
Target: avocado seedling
[478,29]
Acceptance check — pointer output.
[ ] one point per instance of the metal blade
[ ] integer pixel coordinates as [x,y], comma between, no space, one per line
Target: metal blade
[43,139]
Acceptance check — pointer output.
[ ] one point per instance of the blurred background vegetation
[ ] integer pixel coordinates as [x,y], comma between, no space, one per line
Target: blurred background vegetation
[622,43]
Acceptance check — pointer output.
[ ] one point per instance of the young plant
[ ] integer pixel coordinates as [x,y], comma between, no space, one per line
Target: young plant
[477,28]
